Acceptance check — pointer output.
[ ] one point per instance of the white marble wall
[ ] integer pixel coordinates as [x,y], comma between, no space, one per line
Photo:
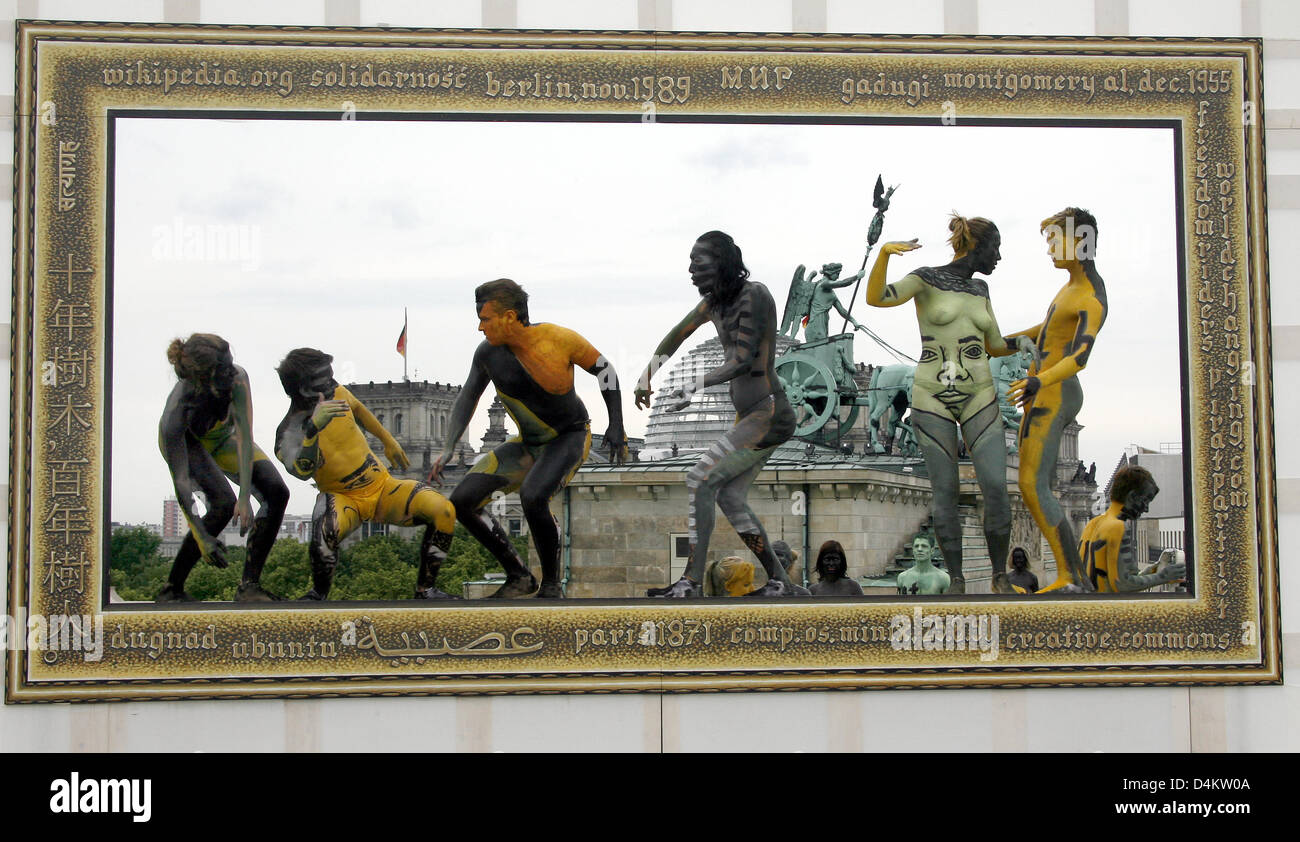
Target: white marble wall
[1160,719]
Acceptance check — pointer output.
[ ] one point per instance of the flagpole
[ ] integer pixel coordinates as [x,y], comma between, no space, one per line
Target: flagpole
[408,339]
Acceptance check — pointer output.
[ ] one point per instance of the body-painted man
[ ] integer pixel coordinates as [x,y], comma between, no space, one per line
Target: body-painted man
[1107,546]
[923,577]
[1051,396]
[206,437]
[953,384]
[321,439]
[531,366]
[744,315]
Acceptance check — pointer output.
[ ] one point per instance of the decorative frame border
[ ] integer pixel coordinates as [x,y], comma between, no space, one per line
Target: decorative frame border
[61,308]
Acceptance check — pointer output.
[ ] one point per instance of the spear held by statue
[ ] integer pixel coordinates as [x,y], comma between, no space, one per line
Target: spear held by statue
[880,201]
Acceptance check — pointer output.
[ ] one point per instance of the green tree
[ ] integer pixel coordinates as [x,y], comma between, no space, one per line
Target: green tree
[287,573]
[377,568]
[132,547]
[136,570]
[206,583]
[468,560]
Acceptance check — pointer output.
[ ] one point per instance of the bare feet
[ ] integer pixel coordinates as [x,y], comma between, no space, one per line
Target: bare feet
[777,588]
[169,593]
[683,588]
[433,593]
[254,592]
[515,587]
[550,590]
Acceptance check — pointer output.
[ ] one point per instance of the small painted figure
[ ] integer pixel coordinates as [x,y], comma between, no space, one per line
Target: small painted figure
[923,577]
[731,576]
[321,439]
[1021,577]
[1051,396]
[531,367]
[206,437]
[832,573]
[1107,543]
[789,561]
[953,384]
[744,315]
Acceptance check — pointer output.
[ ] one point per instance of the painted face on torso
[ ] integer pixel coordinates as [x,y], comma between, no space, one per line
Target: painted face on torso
[921,549]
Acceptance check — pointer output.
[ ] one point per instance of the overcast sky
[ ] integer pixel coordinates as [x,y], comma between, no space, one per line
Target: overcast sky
[342,224]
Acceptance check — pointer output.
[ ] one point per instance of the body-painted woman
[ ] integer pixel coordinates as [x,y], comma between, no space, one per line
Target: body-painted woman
[953,384]
[206,437]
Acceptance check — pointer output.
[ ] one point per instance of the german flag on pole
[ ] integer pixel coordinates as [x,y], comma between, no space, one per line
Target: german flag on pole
[401,340]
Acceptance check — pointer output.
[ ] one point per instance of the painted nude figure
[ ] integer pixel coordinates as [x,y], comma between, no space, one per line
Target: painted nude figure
[923,577]
[832,573]
[730,576]
[953,384]
[1050,396]
[1106,545]
[1021,578]
[531,366]
[206,436]
[321,439]
[744,315]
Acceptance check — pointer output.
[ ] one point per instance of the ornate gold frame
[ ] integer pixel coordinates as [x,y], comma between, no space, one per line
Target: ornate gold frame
[68,81]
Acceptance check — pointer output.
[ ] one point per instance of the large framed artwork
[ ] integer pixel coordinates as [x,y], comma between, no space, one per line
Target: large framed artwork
[330,188]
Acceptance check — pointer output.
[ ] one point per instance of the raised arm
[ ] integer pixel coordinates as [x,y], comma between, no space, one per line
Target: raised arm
[667,347]
[393,451]
[461,412]
[843,282]
[880,294]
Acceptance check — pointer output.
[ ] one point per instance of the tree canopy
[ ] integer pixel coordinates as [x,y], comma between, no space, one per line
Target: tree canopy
[378,568]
